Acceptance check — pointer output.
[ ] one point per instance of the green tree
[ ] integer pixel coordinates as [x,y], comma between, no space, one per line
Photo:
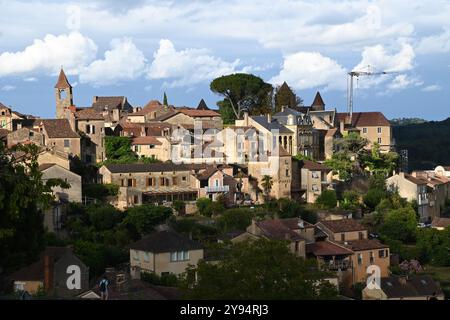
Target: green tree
[434,246]
[267,183]
[235,219]
[285,96]
[327,199]
[104,217]
[373,197]
[23,197]
[350,200]
[400,224]
[259,270]
[100,191]
[243,92]
[145,217]
[118,150]
[165,100]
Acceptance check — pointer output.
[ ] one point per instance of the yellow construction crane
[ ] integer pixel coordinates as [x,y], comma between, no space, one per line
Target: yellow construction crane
[357,74]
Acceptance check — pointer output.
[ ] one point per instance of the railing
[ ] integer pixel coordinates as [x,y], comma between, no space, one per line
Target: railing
[218,189]
[336,265]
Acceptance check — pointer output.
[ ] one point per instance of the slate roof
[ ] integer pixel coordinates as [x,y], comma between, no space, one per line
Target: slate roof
[344,225]
[364,119]
[318,101]
[273,125]
[58,128]
[165,241]
[414,286]
[202,105]
[62,82]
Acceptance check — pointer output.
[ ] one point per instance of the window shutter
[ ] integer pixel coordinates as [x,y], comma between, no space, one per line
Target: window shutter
[134,182]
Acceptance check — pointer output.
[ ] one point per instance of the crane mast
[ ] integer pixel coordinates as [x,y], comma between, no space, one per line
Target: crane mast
[353,74]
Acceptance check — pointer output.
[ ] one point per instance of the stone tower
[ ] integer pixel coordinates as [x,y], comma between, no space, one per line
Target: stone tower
[64,95]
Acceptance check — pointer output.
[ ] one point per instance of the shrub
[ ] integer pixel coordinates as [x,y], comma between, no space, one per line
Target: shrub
[235,219]
[373,197]
[327,199]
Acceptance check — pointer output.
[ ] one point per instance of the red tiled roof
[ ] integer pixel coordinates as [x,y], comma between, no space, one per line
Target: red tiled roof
[62,82]
[292,223]
[344,225]
[89,114]
[415,180]
[440,222]
[58,128]
[145,140]
[365,244]
[364,119]
[199,113]
[275,229]
[312,165]
[327,248]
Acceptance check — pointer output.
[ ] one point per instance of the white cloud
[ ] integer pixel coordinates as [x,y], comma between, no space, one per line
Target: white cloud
[432,88]
[72,51]
[304,70]
[123,62]
[187,67]
[439,43]
[402,81]
[380,60]
[8,88]
[30,79]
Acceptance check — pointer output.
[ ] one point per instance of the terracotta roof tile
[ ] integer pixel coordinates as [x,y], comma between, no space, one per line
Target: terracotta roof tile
[365,119]
[89,114]
[365,244]
[62,82]
[108,102]
[327,248]
[146,140]
[199,113]
[344,225]
[312,165]
[275,229]
[440,222]
[58,128]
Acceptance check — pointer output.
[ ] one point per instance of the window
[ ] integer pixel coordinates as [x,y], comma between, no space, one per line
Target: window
[136,255]
[216,182]
[371,257]
[361,235]
[179,256]
[360,258]
[136,148]
[151,146]
[379,140]
[183,178]
[315,175]
[364,130]
[296,246]
[146,257]
[135,199]
[88,129]
[66,143]
[287,172]
[342,236]
[150,182]
[129,182]
[19,286]
[381,254]
[379,130]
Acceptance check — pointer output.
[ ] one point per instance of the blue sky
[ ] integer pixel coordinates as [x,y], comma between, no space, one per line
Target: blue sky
[142,48]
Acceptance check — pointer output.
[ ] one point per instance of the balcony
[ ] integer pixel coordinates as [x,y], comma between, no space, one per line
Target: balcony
[218,189]
[336,265]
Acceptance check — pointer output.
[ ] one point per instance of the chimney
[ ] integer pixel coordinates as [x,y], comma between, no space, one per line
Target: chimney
[301,223]
[341,127]
[245,118]
[402,280]
[283,108]
[269,118]
[48,272]
[95,99]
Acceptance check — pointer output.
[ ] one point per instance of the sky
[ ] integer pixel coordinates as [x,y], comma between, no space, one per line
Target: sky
[141,49]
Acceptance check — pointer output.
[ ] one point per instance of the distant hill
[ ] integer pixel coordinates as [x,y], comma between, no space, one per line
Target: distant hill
[428,143]
[406,121]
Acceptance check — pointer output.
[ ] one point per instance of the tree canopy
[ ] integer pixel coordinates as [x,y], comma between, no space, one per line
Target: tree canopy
[242,92]
[145,217]
[285,96]
[261,269]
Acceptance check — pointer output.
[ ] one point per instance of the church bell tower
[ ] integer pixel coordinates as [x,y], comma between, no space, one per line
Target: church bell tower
[64,95]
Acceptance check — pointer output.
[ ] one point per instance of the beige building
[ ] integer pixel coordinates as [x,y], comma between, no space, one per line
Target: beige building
[92,124]
[158,148]
[5,117]
[54,171]
[309,180]
[164,252]
[153,109]
[371,125]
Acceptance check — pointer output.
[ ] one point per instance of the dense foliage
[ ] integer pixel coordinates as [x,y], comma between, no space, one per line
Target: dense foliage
[261,269]
[327,199]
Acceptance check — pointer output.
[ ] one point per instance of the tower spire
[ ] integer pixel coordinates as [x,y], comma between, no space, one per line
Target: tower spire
[62,82]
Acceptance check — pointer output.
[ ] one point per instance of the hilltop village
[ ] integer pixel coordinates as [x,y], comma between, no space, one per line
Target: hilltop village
[164,201]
